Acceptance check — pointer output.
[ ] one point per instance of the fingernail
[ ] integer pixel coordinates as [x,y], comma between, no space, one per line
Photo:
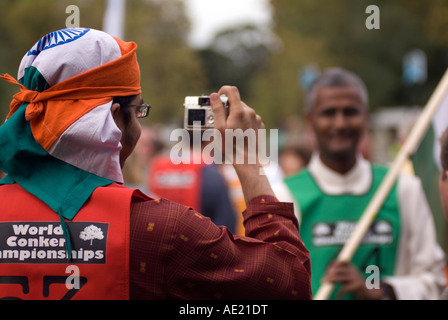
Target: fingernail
[214,97]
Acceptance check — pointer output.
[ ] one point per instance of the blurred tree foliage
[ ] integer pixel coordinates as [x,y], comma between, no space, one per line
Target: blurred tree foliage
[265,63]
[333,33]
[169,68]
[237,56]
[24,22]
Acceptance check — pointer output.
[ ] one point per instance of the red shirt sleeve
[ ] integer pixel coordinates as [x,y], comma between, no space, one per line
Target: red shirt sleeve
[177,253]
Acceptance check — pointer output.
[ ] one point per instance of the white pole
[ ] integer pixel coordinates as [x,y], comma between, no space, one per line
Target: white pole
[386,185]
[113,22]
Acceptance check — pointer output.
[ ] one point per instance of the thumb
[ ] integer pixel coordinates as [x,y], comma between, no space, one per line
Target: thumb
[218,111]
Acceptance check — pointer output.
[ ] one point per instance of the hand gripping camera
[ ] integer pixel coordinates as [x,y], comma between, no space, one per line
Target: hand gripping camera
[198,112]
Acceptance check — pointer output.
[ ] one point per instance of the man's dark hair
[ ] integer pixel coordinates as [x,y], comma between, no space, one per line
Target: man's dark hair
[123,102]
[335,77]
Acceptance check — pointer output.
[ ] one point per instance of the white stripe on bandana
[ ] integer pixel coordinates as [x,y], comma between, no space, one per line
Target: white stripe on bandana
[92,143]
[63,56]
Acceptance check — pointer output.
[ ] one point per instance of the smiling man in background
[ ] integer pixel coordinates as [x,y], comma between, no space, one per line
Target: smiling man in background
[333,191]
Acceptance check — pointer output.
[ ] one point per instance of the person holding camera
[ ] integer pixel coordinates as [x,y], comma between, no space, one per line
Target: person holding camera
[63,206]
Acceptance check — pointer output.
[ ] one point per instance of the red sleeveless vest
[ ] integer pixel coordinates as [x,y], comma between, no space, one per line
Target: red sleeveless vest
[33,257]
[177,182]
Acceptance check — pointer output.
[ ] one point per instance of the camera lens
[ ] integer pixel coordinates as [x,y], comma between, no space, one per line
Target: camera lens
[204,101]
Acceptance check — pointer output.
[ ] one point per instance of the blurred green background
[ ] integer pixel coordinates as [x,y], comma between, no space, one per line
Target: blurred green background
[267,64]
[270,64]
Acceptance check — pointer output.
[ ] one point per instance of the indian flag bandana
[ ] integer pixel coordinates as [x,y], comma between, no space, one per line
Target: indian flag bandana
[59,141]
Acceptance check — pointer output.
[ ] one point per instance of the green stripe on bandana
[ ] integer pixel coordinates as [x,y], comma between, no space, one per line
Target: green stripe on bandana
[63,187]
[33,79]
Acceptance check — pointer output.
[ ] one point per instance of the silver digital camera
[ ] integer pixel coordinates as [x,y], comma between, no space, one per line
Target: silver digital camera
[198,112]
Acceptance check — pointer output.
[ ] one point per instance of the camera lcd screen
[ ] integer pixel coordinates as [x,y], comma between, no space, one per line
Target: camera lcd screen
[196,115]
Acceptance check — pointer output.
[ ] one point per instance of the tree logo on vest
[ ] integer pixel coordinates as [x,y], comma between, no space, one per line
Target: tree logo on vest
[44,242]
[91,233]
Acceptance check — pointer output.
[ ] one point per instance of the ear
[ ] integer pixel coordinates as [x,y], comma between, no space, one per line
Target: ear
[308,121]
[115,110]
[117,115]
[367,120]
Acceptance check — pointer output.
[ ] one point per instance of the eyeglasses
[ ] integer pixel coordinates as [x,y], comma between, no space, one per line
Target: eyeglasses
[142,109]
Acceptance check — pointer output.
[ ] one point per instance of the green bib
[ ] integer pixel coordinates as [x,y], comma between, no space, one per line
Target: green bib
[328,220]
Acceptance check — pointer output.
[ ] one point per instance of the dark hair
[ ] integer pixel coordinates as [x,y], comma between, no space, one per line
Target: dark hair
[123,102]
[335,77]
[444,153]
